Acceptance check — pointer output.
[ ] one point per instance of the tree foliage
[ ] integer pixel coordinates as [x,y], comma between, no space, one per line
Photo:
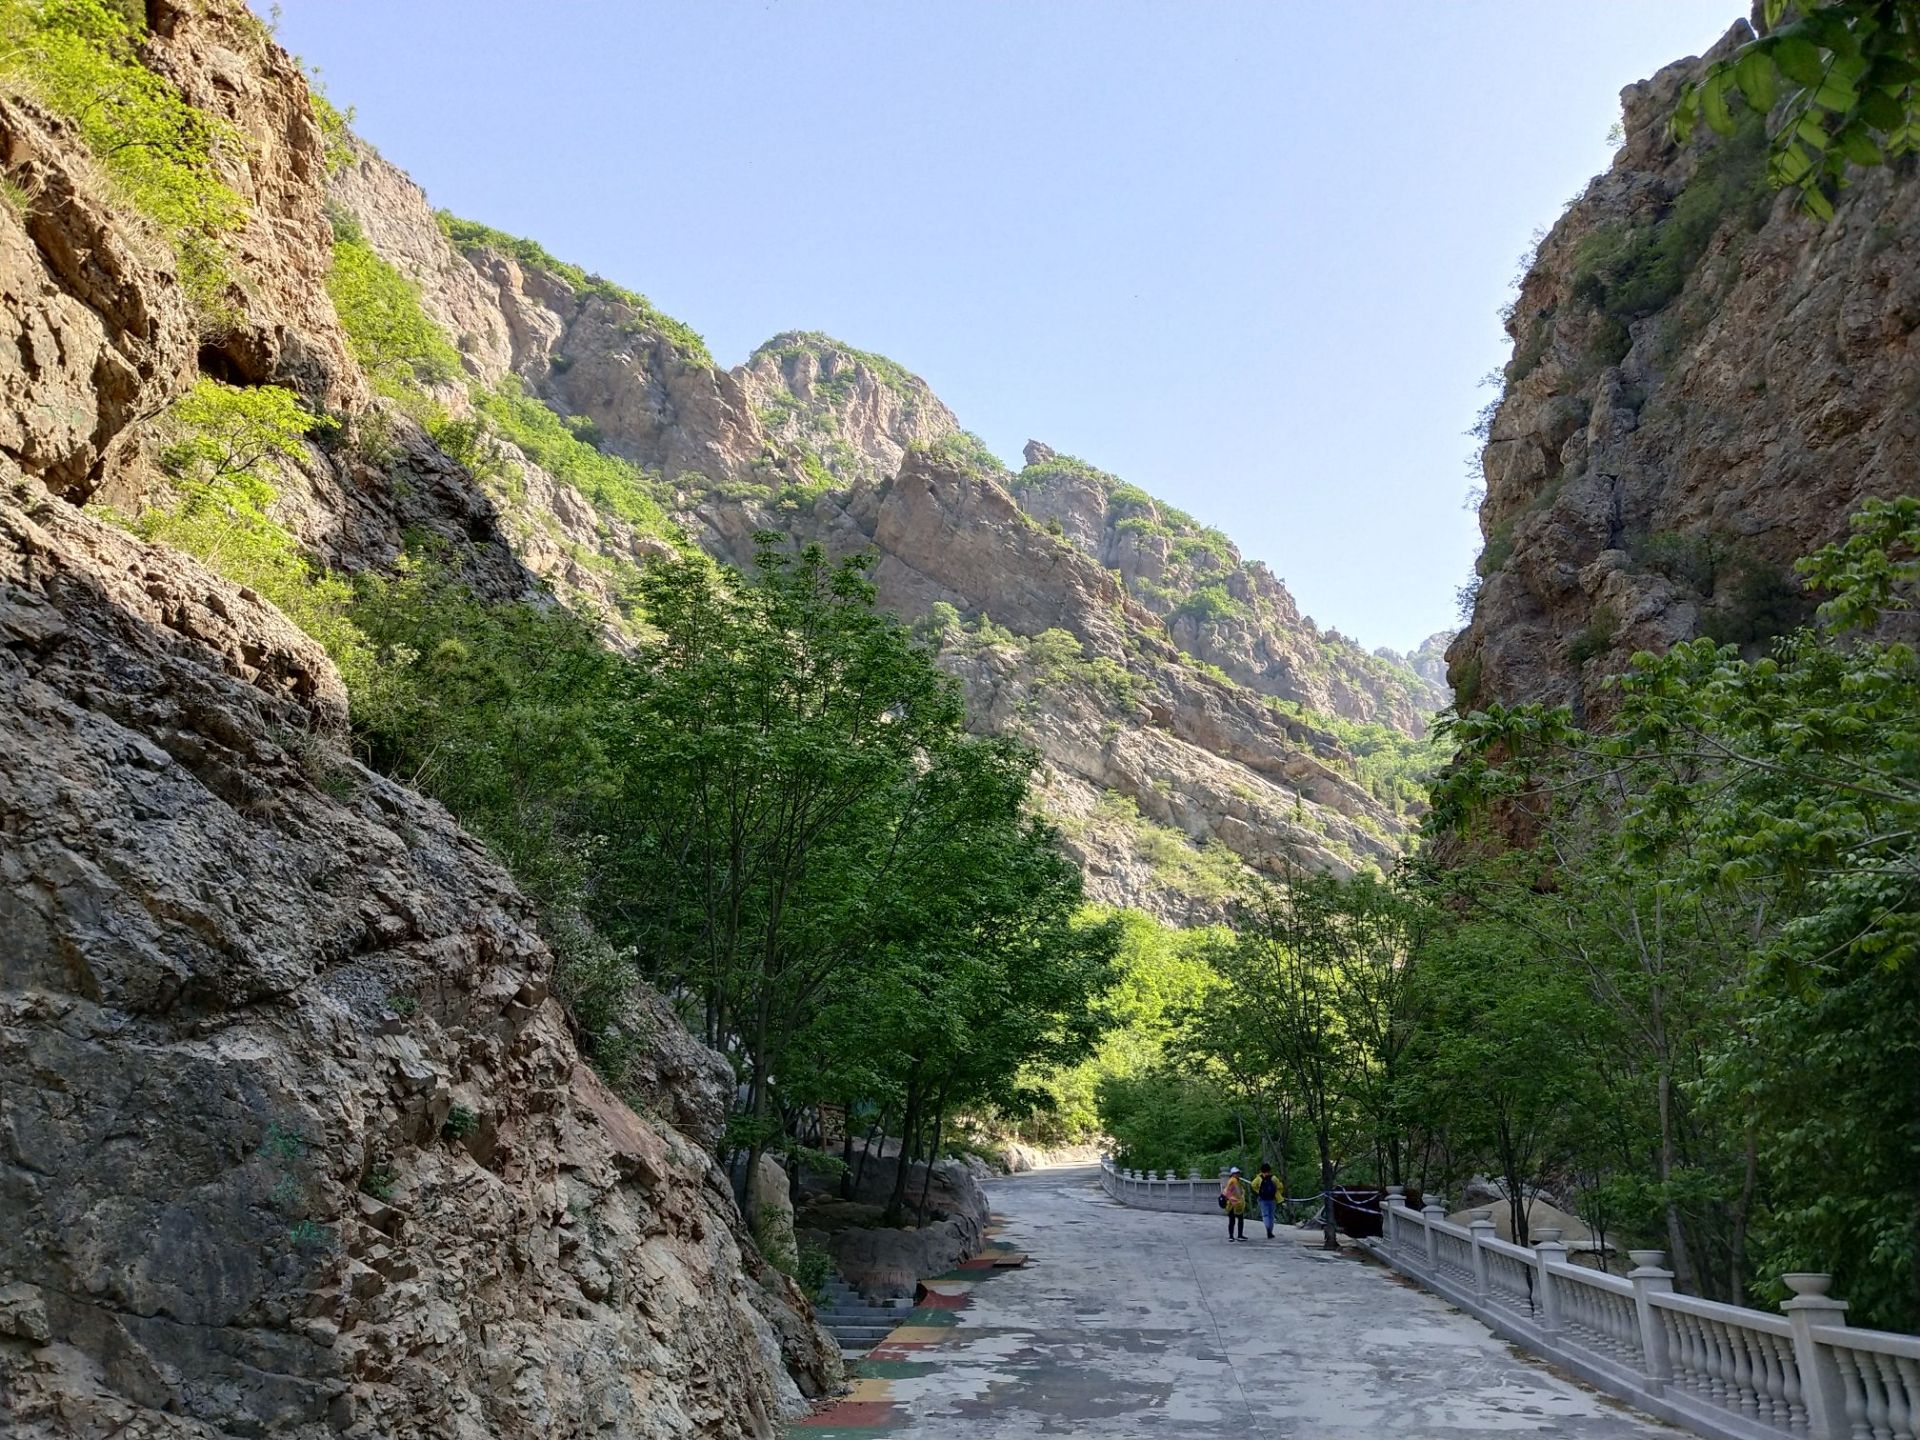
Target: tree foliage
[1733,873]
[1842,75]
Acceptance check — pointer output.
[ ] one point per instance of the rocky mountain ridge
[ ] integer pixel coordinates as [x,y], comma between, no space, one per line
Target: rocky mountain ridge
[823,442]
[1705,383]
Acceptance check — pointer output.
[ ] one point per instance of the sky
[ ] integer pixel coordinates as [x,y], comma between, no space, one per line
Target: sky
[1248,256]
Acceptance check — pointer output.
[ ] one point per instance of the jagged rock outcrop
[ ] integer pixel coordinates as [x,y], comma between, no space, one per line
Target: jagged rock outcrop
[1705,383]
[1215,606]
[102,337]
[854,414]
[293,1137]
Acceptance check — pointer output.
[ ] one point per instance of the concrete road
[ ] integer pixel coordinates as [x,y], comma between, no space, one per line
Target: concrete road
[1129,1323]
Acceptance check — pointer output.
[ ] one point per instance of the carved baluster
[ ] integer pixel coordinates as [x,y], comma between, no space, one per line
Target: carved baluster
[1743,1388]
[1900,1413]
[1790,1393]
[1766,1378]
[1910,1386]
[1852,1384]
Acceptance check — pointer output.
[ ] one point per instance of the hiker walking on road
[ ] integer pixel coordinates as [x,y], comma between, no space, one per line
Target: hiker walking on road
[1266,1190]
[1233,1200]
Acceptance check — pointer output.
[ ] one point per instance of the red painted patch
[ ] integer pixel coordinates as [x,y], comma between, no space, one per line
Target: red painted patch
[934,1300]
[850,1413]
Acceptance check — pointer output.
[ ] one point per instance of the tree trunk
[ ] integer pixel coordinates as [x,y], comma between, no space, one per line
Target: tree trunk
[933,1155]
[909,1130]
[846,1153]
[877,1130]
[1737,1260]
[1683,1272]
[1329,1227]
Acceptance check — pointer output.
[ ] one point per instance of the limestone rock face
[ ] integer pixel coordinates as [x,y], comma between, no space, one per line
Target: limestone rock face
[1215,606]
[946,533]
[806,387]
[1659,460]
[282,329]
[102,336]
[294,1138]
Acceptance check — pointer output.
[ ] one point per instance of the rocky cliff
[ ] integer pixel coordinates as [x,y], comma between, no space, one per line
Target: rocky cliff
[1185,711]
[1705,383]
[293,1137]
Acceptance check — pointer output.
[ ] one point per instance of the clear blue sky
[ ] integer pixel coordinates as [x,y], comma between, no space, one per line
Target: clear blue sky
[1246,255]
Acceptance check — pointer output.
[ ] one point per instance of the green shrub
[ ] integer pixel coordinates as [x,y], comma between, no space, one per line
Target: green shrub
[1691,560]
[1124,500]
[1627,271]
[812,1271]
[969,450]
[1497,551]
[219,447]
[461,1122]
[612,484]
[1210,605]
[81,57]
[336,127]
[1466,689]
[1597,638]
[400,349]
[1763,602]
[471,235]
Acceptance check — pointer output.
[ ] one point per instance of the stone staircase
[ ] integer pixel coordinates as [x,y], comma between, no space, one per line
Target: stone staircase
[856,1322]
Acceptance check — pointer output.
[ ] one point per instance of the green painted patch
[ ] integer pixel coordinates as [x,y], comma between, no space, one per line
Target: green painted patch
[928,1315]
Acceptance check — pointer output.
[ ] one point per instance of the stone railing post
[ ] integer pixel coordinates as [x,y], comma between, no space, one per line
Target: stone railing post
[1193,1189]
[1480,1225]
[1549,1251]
[1433,1210]
[1396,1195]
[1820,1385]
[1650,1277]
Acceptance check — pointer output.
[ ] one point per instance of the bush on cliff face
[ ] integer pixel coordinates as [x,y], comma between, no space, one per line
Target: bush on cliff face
[612,484]
[220,452]
[389,333]
[79,57]
[1627,271]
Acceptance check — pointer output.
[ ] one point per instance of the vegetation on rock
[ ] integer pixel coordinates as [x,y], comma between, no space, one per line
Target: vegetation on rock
[80,58]
[471,235]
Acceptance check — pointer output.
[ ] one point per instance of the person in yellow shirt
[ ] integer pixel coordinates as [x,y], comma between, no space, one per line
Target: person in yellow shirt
[1233,1200]
[1269,1192]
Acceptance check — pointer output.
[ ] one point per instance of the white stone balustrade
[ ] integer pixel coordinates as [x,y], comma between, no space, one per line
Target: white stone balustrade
[1191,1194]
[1722,1371]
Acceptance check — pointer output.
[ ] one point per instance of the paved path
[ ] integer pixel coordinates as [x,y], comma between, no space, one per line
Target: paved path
[1127,1323]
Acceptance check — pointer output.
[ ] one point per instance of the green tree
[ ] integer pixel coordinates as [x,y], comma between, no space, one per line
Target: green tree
[1748,877]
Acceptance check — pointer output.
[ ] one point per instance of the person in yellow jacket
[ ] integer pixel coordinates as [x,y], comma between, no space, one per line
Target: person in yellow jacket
[1233,1199]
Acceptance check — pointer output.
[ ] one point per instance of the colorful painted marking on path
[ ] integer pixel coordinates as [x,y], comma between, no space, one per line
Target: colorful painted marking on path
[868,1407]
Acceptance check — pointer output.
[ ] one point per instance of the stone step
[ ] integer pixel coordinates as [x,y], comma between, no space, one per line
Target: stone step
[869,1314]
[867,1335]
